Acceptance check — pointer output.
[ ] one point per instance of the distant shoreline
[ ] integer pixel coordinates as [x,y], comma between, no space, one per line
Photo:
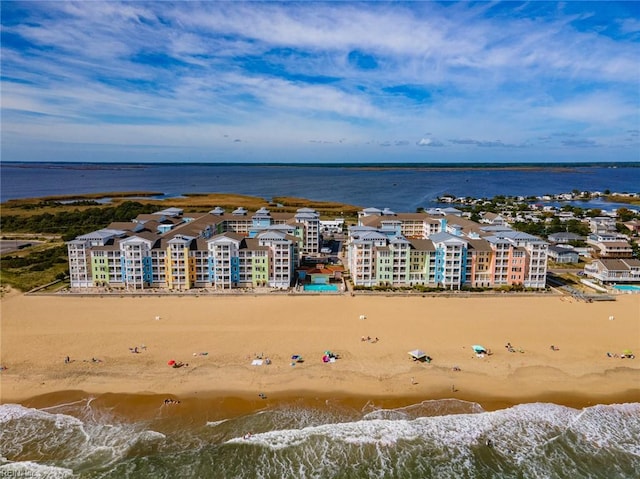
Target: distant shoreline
[424,166]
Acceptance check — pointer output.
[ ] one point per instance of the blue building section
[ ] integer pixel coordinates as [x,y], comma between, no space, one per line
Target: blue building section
[261,222]
[147,270]
[463,266]
[211,268]
[235,269]
[439,265]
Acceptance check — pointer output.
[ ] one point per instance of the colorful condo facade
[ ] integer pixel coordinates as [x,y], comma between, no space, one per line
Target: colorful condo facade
[220,250]
[441,250]
[237,250]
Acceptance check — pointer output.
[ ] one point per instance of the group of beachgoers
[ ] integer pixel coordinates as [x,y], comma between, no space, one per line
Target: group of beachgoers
[177,364]
[627,355]
[369,339]
[68,360]
[511,349]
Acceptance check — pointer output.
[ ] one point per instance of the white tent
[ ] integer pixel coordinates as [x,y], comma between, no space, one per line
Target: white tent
[418,354]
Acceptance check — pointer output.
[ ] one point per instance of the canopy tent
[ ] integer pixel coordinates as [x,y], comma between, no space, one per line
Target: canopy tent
[418,355]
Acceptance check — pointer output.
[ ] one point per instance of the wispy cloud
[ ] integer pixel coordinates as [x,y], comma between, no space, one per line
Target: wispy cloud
[335,75]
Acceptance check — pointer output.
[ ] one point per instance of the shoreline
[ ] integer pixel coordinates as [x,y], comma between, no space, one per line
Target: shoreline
[209,406]
[221,336]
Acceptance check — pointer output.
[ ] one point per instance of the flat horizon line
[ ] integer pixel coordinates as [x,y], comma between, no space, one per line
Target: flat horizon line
[369,164]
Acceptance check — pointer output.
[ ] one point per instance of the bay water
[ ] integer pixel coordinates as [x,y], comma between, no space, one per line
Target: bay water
[402,188]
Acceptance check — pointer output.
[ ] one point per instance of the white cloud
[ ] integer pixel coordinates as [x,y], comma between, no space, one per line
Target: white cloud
[281,72]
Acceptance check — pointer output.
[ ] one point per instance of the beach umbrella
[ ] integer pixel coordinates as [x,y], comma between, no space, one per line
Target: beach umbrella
[627,352]
[171,362]
[479,349]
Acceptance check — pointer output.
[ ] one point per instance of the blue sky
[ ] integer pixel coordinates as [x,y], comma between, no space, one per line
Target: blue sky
[321,82]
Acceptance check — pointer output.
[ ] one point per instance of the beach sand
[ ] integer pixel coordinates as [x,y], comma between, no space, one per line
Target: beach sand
[220,336]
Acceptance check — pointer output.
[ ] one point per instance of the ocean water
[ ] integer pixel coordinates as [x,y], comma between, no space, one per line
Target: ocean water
[401,188]
[432,439]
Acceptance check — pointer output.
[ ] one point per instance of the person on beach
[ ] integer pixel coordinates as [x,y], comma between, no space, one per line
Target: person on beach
[67,360]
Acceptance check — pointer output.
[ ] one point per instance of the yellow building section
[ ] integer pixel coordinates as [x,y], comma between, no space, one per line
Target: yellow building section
[167,268]
[190,277]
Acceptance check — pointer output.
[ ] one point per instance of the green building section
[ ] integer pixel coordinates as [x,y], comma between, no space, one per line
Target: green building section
[259,270]
[99,270]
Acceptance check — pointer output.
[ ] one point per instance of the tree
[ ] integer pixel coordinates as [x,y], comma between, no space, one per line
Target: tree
[578,227]
[625,214]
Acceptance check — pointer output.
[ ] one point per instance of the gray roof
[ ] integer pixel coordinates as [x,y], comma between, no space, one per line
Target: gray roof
[369,236]
[181,239]
[619,264]
[101,234]
[561,250]
[495,240]
[271,235]
[444,237]
[371,211]
[449,210]
[495,228]
[519,236]
[286,228]
[228,235]
[565,235]
[399,240]
[170,212]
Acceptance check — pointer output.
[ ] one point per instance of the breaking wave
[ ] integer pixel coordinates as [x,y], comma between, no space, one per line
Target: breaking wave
[444,438]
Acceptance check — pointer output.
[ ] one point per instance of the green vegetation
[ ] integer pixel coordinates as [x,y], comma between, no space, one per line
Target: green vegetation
[632,200]
[553,226]
[55,204]
[70,224]
[42,264]
[36,266]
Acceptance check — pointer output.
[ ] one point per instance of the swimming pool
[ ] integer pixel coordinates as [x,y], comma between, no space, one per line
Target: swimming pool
[627,287]
[321,288]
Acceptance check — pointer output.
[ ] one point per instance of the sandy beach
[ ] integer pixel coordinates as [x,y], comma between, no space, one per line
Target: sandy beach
[219,337]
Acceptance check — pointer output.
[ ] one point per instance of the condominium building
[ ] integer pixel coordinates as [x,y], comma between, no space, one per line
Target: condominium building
[218,250]
[446,251]
[223,250]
